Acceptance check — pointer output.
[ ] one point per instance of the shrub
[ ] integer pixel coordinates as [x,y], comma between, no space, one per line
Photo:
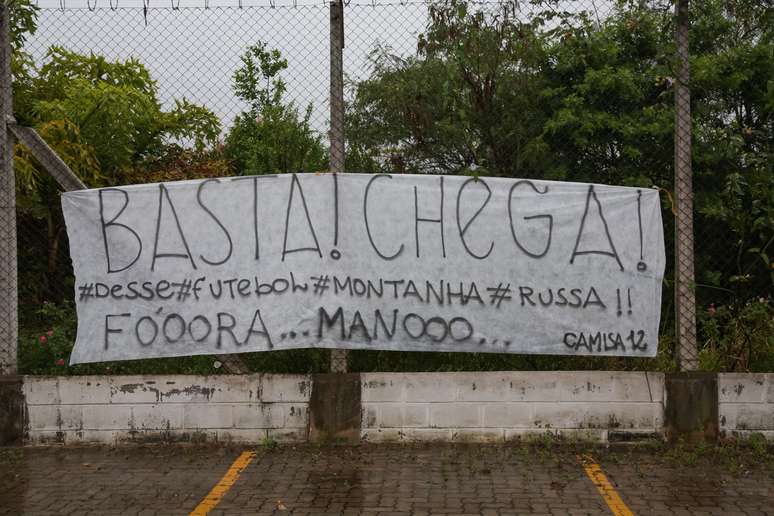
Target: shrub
[737,336]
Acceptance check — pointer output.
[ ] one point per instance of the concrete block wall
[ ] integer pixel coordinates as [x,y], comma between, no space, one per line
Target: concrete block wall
[499,406]
[492,406]
[746,404]
[104,409]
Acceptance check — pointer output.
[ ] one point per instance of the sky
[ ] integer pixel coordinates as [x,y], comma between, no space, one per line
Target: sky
[193,52]
[192,47]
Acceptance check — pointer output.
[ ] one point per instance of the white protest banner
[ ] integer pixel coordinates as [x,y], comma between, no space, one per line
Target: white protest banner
[396,262]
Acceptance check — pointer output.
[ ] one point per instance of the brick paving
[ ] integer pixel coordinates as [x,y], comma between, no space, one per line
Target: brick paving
[371,479]
[651,487]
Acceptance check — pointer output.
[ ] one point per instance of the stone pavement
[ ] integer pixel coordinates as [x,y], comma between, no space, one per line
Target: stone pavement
[381,480]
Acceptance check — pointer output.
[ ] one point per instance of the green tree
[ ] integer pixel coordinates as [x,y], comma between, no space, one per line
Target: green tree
[104,119]
[611,85]
[609,89]
[465,101]
[116,108]
[22,21]
[271,136]
[565,96]
[733,93]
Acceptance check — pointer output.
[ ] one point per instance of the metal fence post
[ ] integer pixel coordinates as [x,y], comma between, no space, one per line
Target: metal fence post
[8,285]
[336,136]
[685,299]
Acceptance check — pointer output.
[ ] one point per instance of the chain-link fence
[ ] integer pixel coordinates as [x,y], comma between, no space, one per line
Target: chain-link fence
[569,90]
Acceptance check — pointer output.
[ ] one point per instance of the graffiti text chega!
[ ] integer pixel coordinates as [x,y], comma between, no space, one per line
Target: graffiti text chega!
[356,261]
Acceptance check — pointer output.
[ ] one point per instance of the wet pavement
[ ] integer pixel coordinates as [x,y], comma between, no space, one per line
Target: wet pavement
[385,480]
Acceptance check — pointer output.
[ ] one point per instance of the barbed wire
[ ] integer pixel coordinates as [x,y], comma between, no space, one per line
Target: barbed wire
[148,5]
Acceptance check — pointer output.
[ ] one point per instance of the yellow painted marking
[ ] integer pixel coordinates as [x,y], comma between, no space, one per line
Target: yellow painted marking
[605,488]
[214,497]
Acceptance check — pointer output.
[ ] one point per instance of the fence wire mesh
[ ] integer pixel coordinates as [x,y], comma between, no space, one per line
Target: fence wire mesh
[8,279]
[568,90]
[685,306]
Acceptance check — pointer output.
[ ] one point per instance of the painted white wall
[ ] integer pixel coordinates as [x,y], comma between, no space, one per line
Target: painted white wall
[499,406]
[494,406]
[119,409]
[746,404]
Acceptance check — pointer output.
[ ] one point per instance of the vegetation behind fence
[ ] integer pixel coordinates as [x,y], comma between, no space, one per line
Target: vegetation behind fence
[575,91]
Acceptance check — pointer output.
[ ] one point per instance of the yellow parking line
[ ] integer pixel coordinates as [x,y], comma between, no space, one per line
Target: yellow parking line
[605,488]
[219,491]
